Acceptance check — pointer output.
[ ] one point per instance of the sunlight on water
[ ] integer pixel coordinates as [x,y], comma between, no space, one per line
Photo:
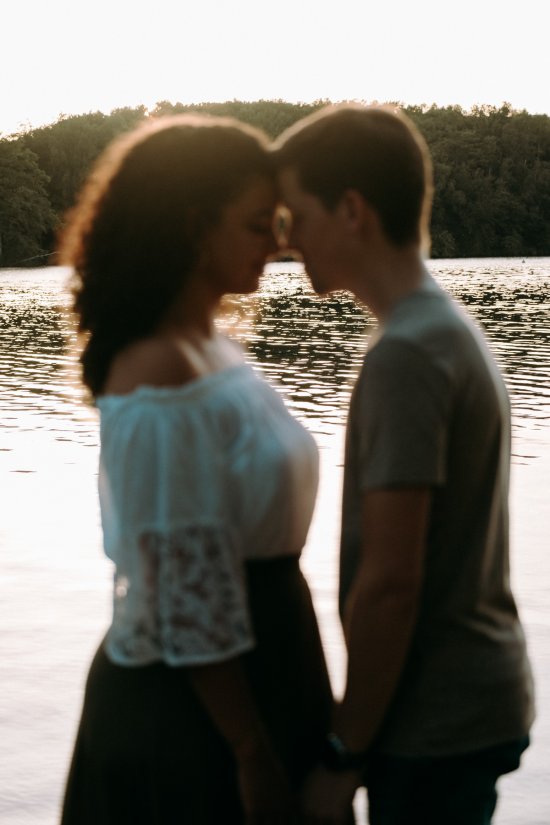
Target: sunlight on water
[55,581]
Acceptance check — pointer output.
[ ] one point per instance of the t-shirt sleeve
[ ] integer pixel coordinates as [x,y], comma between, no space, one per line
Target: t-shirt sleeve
[401,418]
[180,590]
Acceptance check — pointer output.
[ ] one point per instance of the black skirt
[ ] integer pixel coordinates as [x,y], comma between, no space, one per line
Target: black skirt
[148,754]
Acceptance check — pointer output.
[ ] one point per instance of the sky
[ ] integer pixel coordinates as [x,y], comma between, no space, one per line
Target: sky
[78,56]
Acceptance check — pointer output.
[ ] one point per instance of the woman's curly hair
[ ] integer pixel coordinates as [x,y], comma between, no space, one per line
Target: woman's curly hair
[137,228]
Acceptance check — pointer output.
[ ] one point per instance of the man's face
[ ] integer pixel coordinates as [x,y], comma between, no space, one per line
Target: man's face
[315,232]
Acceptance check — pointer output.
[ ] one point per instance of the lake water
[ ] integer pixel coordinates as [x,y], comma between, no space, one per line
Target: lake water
[55,582]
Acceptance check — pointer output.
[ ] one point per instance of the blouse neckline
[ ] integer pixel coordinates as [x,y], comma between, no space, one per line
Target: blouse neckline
[198,385]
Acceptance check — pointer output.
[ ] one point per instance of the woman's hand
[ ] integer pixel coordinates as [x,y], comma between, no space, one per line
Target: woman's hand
[264,787]
[327,797]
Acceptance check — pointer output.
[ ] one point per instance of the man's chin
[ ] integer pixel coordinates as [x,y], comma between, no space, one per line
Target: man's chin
[320,289]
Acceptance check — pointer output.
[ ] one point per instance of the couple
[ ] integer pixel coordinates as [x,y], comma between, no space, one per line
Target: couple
[208,701]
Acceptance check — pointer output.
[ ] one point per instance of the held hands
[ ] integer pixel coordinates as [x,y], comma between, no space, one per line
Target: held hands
[267,798]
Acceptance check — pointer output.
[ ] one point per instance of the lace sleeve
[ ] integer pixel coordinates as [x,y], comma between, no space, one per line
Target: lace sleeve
[185,602]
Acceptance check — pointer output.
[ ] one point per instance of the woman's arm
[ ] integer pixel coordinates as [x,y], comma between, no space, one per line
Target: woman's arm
[225,692]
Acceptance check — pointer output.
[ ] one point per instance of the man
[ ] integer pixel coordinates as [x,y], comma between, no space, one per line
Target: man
[439,697]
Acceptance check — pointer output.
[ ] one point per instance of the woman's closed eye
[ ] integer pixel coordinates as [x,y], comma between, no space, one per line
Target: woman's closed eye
[261,228]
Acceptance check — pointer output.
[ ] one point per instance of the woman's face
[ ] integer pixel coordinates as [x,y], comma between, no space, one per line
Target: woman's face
[237,247]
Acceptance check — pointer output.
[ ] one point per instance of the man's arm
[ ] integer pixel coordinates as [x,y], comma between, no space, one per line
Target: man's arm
[381,610]
[379,620]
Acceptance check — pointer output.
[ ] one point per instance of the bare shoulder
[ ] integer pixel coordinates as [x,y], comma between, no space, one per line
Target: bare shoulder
[154,361]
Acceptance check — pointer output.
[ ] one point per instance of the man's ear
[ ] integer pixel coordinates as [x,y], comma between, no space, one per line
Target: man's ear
[357,211]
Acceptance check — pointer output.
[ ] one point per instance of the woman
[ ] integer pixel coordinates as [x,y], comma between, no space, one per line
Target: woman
[208,699]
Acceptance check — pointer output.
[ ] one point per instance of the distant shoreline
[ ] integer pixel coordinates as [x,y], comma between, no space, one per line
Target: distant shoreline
[25,127]
[491,171]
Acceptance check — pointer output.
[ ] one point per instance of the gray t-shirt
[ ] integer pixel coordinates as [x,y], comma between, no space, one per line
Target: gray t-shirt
[430,408]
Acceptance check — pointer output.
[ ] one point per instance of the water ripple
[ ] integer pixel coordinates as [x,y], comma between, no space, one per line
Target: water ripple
[310,347]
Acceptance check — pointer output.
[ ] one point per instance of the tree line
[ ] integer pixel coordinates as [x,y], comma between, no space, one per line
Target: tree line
[491,169]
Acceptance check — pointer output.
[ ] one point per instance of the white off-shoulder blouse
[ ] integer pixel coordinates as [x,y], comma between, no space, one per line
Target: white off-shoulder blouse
[194,480]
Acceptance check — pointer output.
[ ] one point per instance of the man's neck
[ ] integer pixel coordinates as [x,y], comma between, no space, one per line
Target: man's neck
[388,277]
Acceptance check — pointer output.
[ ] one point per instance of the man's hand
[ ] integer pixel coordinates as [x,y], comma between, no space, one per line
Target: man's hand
[328,795]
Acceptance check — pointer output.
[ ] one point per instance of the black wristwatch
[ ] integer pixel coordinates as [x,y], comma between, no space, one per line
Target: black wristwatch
[336,756]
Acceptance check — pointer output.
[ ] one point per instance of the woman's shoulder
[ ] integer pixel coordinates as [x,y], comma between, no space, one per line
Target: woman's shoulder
[170,362]
[153,362]
[175,372]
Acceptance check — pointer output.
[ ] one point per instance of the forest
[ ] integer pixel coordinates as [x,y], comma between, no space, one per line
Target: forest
[491,169]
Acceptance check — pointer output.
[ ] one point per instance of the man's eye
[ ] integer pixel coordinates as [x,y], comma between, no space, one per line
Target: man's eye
[293,219]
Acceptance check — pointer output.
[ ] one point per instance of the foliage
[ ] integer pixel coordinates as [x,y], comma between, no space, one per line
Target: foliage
[67,149]
[273,116]
[491,169]
[26,216]
[492,181]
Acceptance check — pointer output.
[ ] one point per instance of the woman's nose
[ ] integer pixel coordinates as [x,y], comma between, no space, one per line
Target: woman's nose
[272,244]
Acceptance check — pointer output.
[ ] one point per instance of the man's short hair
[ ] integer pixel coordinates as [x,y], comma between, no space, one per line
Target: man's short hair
[374,150]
